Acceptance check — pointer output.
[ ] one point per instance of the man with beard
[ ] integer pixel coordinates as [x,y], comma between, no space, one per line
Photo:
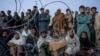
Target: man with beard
[43,43]
[63,32]
[72,43]
[57,45]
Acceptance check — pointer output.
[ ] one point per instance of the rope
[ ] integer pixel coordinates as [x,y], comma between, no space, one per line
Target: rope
[23,23]
[16,5]
[12,17]
[20,2]
[41,3]
[36,2]
[56,2]
[34,14]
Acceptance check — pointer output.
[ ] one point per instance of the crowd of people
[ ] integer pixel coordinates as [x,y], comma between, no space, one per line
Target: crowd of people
[31,34]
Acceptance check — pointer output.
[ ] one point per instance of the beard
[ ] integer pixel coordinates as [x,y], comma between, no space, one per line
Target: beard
[82,12]
[71,36]
[56,37]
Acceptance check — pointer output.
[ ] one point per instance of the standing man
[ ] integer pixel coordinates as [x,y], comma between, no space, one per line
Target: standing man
[43,20]
[9,16]
[97,29]
[93,23]
[82,21]
[35,14]
[48,17]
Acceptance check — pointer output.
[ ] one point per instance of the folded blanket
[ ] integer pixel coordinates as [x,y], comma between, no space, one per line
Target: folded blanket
[56,45]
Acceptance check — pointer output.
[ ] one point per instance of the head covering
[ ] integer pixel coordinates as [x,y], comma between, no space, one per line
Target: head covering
[20,41]
[42,9]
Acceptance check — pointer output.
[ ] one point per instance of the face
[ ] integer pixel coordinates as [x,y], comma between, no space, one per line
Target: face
[71,33]
[33,31]
[83,35]
[34,9]
[68,12]
[1,14]
[81,10]
[15,13]
[25,27]
[43,35]
[8,12]
[4,34]
[22,13]
[46,12]
[87,10]
[93,10]
[62,31]
[28,12]
[55,34]
[16,36]
[42,11]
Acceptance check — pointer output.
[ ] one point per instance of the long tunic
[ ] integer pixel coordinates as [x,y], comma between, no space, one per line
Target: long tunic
[82,24]
[58,21]
[40,44]
[43,22]
[73,44]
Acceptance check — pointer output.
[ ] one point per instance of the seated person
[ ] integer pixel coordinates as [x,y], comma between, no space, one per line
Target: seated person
[85,44]
[31,43]
[43,43]
[57,44]
[3,42]
[16,45]
[72,43]
[63,32]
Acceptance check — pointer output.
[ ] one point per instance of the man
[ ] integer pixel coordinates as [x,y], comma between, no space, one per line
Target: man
[25,32]
[3,42]
[3,19]
[31,43]
[63,32]
[87,10]
[57,45]
[93,23]
[57,20]
[16,45]
[97,29]
[82,22]
[43,43]
[35,14]
[9,17]
[16,20]
[69,19]
[72,43]
[43,21]
[48,17]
